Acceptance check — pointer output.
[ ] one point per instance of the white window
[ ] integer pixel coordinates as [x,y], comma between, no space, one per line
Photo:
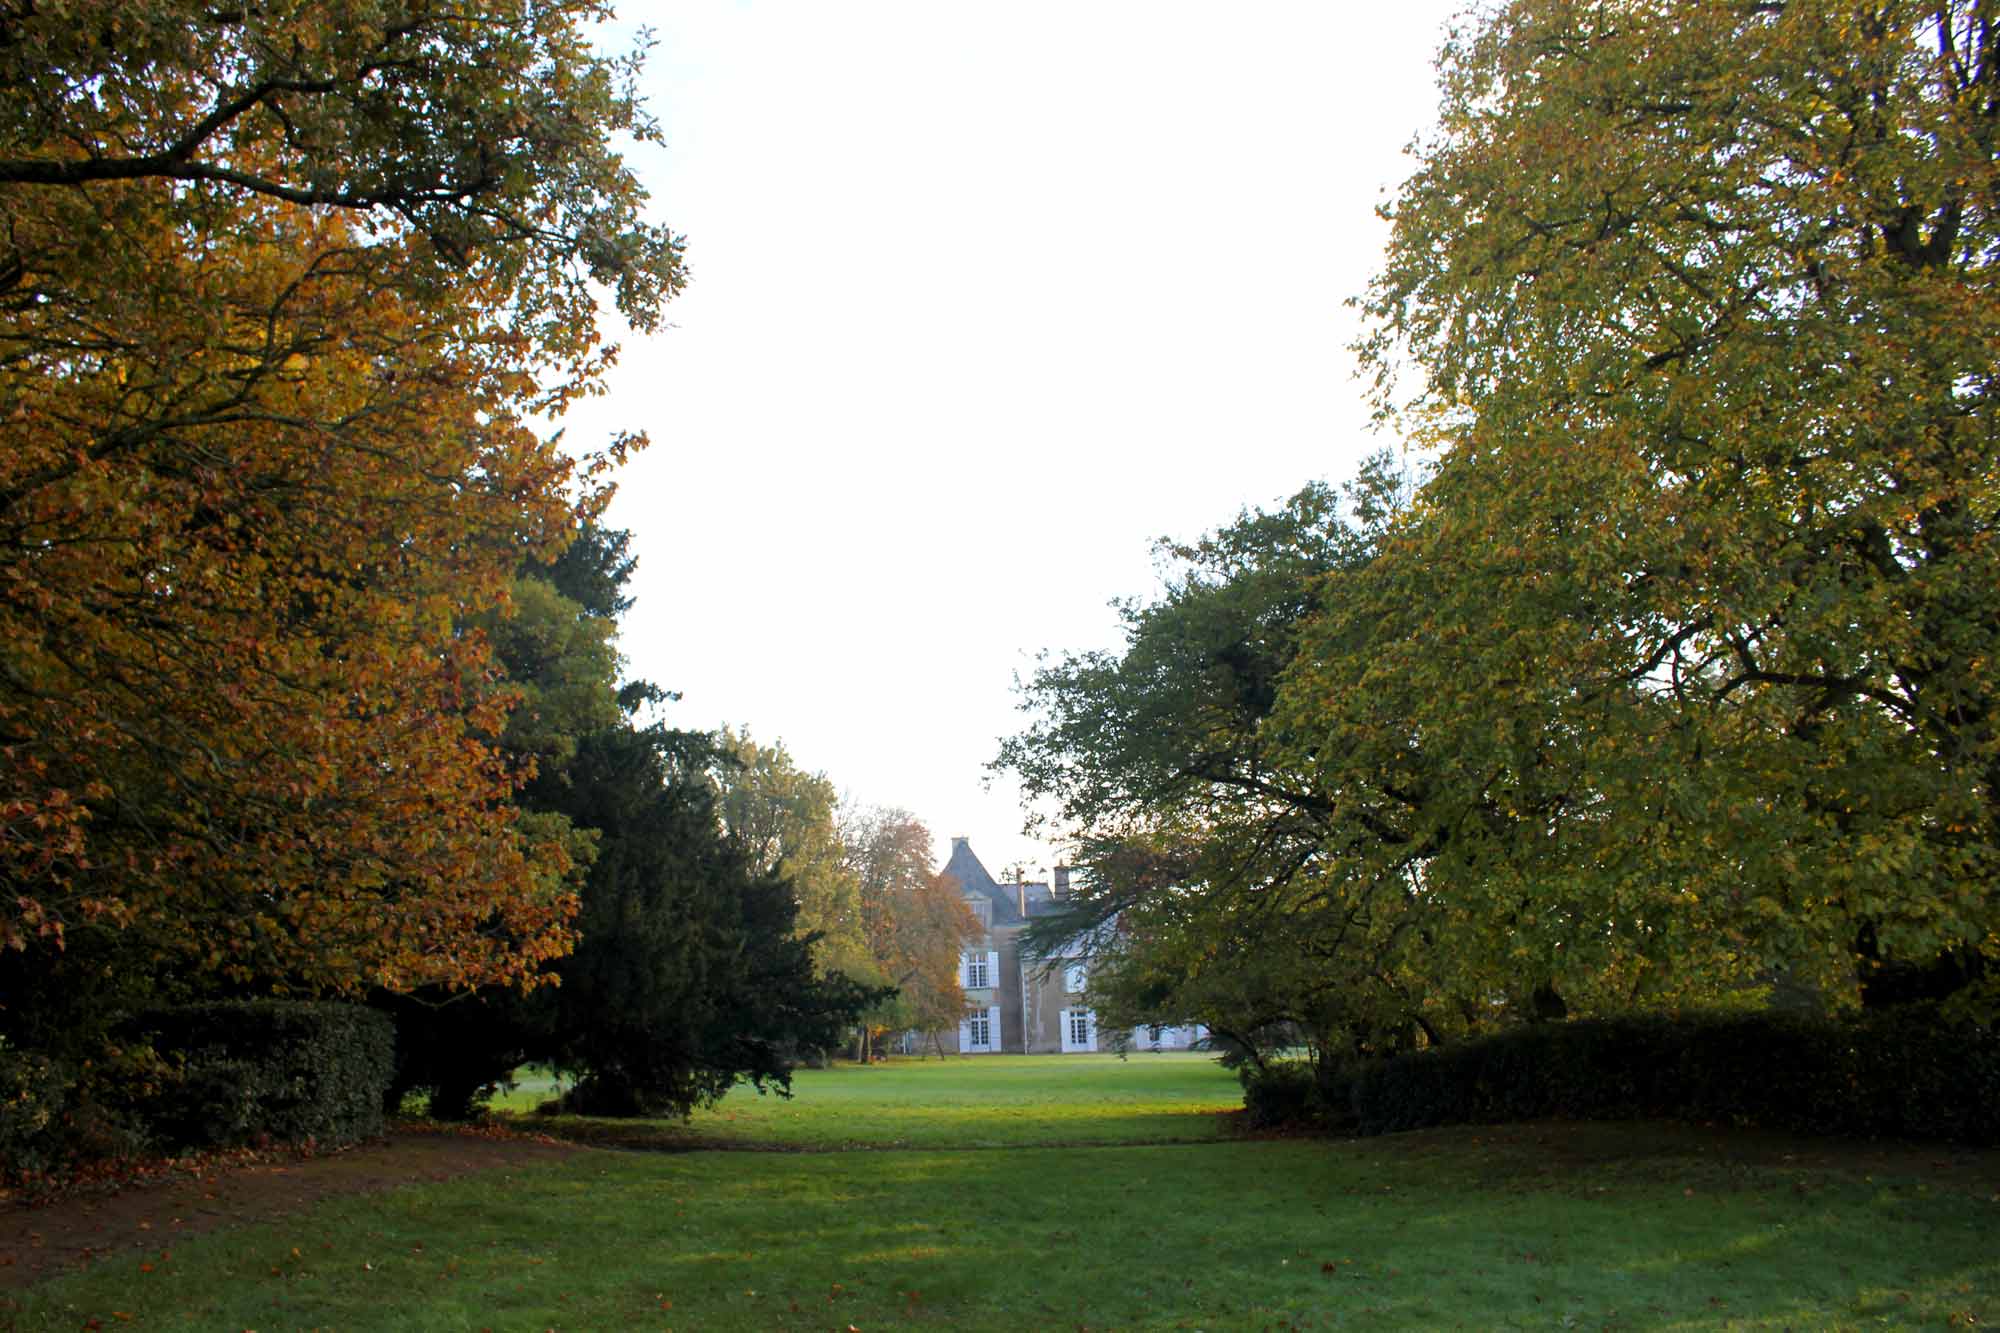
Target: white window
[979,1031]
[1074,977]
[981,967]
[1079,1030]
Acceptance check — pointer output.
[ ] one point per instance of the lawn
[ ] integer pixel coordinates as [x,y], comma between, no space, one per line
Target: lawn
[1541,1227]
[990,1101]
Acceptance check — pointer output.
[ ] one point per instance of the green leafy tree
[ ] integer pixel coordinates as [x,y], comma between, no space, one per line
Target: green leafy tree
[1700,602]
[786,822]
[1230,863]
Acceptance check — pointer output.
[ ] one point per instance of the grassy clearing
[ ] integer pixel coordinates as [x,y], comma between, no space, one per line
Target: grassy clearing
[993,1101]
[1417,1231]
[1593,1226]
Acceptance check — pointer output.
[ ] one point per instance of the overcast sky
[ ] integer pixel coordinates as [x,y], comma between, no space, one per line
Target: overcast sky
[986,299]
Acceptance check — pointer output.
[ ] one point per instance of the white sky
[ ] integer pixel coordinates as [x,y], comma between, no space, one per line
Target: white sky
[985,299]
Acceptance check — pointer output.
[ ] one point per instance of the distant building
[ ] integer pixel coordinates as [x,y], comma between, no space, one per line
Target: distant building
[1032,1006]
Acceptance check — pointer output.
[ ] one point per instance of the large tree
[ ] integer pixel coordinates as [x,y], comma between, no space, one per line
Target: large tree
[690,971]
[1251,888]
[280,286]
[785,821]
[914,919]
[1701,601]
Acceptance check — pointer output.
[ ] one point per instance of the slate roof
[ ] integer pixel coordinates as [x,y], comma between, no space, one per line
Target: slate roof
[965,866]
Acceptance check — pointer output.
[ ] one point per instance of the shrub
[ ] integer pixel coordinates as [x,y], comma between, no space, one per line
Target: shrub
[289,1071]
[1297,1093]
[1278,1093]
[56,1115]
[1906,1073]
[34,1096]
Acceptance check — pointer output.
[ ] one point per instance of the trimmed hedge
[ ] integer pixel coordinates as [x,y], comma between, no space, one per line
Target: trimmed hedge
[1901,1073]
[278,1070]
[1279,1093]
[1295,1092]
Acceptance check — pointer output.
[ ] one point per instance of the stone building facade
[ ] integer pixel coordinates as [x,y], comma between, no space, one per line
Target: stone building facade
[1029,1006]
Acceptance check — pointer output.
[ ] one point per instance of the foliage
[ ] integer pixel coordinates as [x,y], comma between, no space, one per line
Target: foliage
[50,1121]
[1286,1093]
[785,821]
[1671,683]
[279,287]
[1227,861]
[557,643]
[914,920]
[243,1072]
[1901,1073]
[691,973]
[1700,601]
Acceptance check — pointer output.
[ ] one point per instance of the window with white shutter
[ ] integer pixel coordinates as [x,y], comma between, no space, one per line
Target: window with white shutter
[979,1032]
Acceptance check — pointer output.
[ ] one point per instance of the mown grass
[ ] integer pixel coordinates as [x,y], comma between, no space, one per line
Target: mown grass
[992,1101]
[1547,1227]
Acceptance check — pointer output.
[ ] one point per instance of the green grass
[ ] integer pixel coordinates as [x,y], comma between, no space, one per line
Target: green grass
[1615,1226]
[988,1101]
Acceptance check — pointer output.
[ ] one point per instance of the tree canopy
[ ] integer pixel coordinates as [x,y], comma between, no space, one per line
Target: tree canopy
[691,969]
[1700,303]
[1672,682]
[785,822]
[280,287]
[913,918]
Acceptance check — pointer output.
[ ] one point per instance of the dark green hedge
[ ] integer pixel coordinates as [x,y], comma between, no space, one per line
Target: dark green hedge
[1903,1073]
[284,1071]
[1296,1092]
[1279,1094]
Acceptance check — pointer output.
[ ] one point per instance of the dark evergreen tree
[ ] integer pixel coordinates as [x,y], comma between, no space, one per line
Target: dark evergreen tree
[688,975]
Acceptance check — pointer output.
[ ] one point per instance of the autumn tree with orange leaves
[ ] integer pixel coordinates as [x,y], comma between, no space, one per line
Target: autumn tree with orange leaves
[280,288]
[914,919]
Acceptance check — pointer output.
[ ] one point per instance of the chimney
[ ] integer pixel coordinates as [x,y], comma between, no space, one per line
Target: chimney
[1061,889]
[1021,893]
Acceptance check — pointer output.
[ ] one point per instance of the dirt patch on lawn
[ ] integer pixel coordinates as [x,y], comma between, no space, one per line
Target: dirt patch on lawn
[44,1240]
